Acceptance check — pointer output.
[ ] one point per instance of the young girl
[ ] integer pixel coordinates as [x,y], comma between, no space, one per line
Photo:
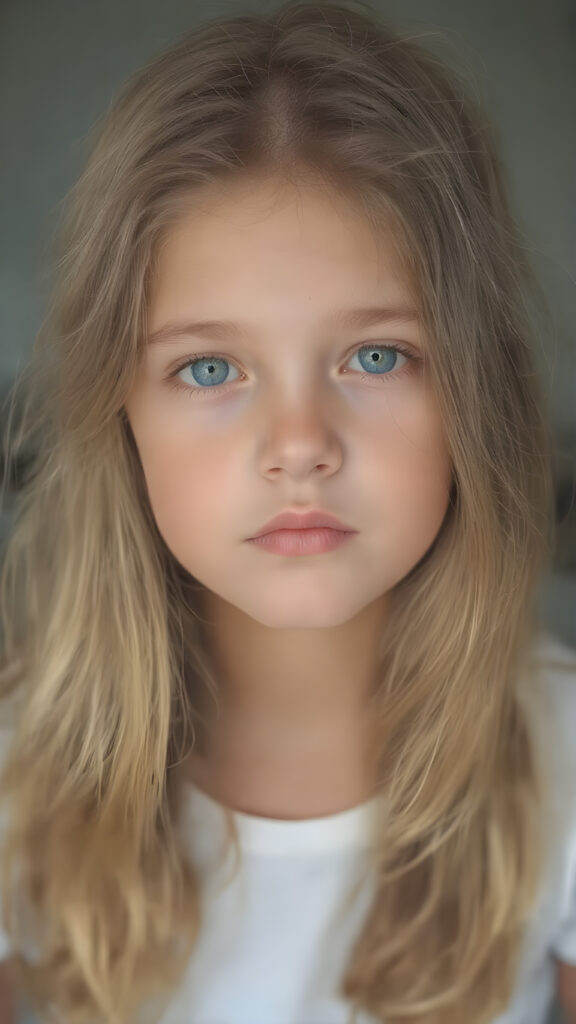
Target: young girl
[313,769]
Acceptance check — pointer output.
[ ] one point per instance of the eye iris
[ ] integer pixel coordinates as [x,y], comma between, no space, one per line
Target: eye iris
[376,359]
[206,371]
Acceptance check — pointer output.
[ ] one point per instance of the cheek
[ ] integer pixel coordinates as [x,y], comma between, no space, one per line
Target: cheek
[188,482]
[414,464]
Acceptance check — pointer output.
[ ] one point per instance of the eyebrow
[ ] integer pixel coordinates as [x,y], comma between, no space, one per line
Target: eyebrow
[225,329]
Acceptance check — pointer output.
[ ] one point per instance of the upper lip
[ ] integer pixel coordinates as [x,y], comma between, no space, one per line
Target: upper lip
[291,520]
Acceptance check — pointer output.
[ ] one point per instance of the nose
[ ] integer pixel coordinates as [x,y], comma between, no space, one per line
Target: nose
[300,439]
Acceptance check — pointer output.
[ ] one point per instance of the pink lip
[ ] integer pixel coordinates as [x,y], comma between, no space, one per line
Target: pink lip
[301,542]
[303,521]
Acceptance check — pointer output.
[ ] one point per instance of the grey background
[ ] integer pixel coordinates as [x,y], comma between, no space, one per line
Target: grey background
[62,62]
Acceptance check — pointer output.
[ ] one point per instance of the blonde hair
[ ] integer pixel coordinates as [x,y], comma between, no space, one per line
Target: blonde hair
[103,655]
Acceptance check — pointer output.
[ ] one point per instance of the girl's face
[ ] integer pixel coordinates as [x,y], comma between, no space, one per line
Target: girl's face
[294,406]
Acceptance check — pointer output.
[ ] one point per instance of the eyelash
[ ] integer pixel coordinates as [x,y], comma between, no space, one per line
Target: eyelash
[198,392]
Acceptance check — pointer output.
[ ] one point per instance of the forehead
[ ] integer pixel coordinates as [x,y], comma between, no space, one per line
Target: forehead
[271,223]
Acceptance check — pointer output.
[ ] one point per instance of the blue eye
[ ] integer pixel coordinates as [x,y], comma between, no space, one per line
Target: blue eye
[210,374]
[207,371]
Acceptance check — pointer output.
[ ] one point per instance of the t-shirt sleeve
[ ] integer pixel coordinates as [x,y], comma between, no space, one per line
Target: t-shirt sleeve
[561,750]
[564,945]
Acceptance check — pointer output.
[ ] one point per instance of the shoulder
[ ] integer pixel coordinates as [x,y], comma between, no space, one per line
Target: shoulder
[550,692]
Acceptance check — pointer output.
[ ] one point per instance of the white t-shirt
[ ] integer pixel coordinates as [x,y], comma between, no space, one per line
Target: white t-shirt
[278,931]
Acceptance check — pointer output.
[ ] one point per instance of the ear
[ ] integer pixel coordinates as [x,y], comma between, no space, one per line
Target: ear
[566,989]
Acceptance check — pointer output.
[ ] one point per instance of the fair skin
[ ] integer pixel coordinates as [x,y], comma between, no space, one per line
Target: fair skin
[295,639]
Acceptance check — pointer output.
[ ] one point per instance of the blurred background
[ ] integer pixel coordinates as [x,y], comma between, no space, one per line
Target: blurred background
[63,61]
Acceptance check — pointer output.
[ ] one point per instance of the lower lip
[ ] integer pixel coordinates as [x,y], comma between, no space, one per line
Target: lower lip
[301,542]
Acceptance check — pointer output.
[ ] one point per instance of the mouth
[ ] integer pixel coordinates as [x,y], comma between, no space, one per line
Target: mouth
[295,521]
[312,541]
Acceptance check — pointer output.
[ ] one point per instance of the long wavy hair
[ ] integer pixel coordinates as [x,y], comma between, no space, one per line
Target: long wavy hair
[104,662]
